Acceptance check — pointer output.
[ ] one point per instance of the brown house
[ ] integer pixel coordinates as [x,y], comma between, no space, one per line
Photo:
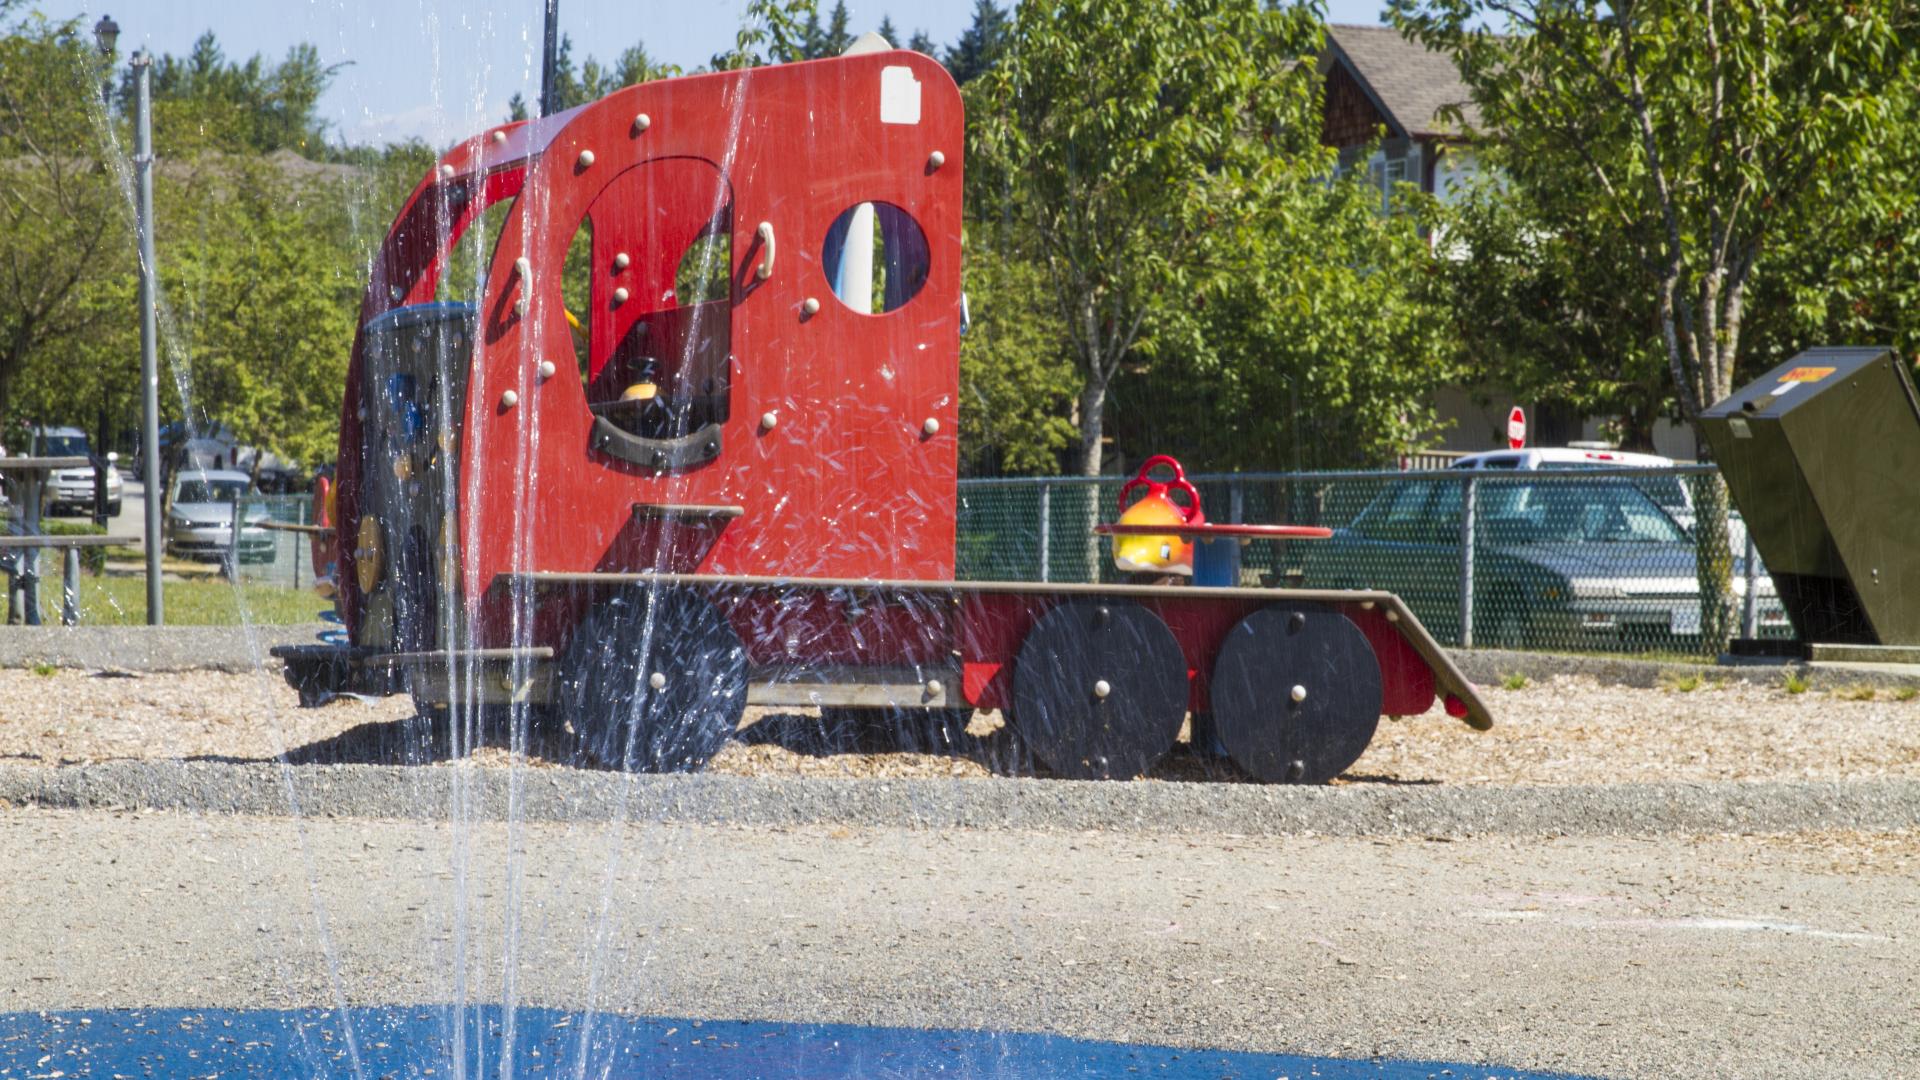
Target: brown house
[1381,86]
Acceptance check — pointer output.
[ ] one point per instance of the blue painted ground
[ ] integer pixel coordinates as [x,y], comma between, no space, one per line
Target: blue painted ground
[410,1041]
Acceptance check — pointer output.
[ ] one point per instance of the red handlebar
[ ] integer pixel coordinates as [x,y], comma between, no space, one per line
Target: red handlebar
[1155,487]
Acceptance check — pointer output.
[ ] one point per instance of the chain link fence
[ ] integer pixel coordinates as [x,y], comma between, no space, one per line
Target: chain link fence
[1580,560]
[271,556]
[1583,560]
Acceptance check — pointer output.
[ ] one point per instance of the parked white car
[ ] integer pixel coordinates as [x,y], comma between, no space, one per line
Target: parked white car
[1671,493]
[72,489]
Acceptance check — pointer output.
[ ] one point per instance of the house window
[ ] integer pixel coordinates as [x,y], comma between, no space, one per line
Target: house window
[1383,173]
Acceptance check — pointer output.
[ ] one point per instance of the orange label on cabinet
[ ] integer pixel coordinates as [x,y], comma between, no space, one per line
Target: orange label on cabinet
[1807,374]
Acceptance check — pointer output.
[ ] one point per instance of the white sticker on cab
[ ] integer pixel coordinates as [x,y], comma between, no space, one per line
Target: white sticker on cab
[899,96]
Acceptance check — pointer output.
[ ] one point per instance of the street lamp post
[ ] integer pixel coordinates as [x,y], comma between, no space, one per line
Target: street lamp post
[142,63]
[549,56]
[105,33]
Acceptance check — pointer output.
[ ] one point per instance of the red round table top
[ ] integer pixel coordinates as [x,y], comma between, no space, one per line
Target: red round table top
[1219,531]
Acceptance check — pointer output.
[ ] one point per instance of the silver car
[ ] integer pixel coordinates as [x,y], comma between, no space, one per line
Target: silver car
[200,522]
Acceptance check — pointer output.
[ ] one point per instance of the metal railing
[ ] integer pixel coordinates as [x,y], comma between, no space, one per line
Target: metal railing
[1572,560]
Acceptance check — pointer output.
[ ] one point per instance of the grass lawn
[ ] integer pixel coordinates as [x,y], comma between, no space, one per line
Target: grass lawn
[122,601]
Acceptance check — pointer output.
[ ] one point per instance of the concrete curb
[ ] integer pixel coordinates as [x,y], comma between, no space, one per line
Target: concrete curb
[430,793]
[150,648]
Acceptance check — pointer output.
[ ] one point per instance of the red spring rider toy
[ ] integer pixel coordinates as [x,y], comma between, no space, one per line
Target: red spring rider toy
[1158,555]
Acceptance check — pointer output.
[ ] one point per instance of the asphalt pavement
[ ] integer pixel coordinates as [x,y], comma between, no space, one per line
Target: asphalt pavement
[131,521]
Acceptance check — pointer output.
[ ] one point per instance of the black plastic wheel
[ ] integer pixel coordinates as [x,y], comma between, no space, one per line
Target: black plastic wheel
[654,681]
[1296,694]
[1099,689]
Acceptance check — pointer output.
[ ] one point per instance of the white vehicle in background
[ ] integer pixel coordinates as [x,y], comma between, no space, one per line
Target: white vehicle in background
[72,489]
[1671,493]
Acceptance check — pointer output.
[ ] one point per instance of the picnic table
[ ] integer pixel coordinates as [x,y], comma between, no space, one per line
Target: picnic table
[20,550]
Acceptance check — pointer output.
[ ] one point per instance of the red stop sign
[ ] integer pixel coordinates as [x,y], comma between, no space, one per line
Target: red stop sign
[1516,428]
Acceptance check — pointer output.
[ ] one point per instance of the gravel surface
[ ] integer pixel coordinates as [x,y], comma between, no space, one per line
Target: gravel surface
[1713,956]
[1568,730]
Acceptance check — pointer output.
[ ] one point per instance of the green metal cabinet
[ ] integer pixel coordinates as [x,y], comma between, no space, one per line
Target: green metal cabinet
[1822,456]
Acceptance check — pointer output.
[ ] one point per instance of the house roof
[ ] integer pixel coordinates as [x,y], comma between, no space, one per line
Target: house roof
[1409,83]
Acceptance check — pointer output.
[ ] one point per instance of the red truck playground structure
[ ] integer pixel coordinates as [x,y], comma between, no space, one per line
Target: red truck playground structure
[692,446]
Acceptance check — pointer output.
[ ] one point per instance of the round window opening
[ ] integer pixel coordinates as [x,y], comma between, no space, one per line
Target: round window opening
[875,257]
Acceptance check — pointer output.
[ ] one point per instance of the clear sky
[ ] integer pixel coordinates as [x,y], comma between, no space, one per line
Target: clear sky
[440,69]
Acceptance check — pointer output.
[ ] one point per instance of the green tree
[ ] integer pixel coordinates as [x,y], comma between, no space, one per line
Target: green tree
[1544,306]
[594,80]
[980,44]
[263,289]
[636,66]
[888,31]
[1017,370]
[61,218]
[1322,349]
[203,100]
[1858,282]
[839,34]
[772,31]
[921,43]
[1129,140]
[1709,133]
[813,40]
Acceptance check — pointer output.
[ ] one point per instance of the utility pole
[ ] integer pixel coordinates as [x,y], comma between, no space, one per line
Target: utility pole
[551,57]
[142,62]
